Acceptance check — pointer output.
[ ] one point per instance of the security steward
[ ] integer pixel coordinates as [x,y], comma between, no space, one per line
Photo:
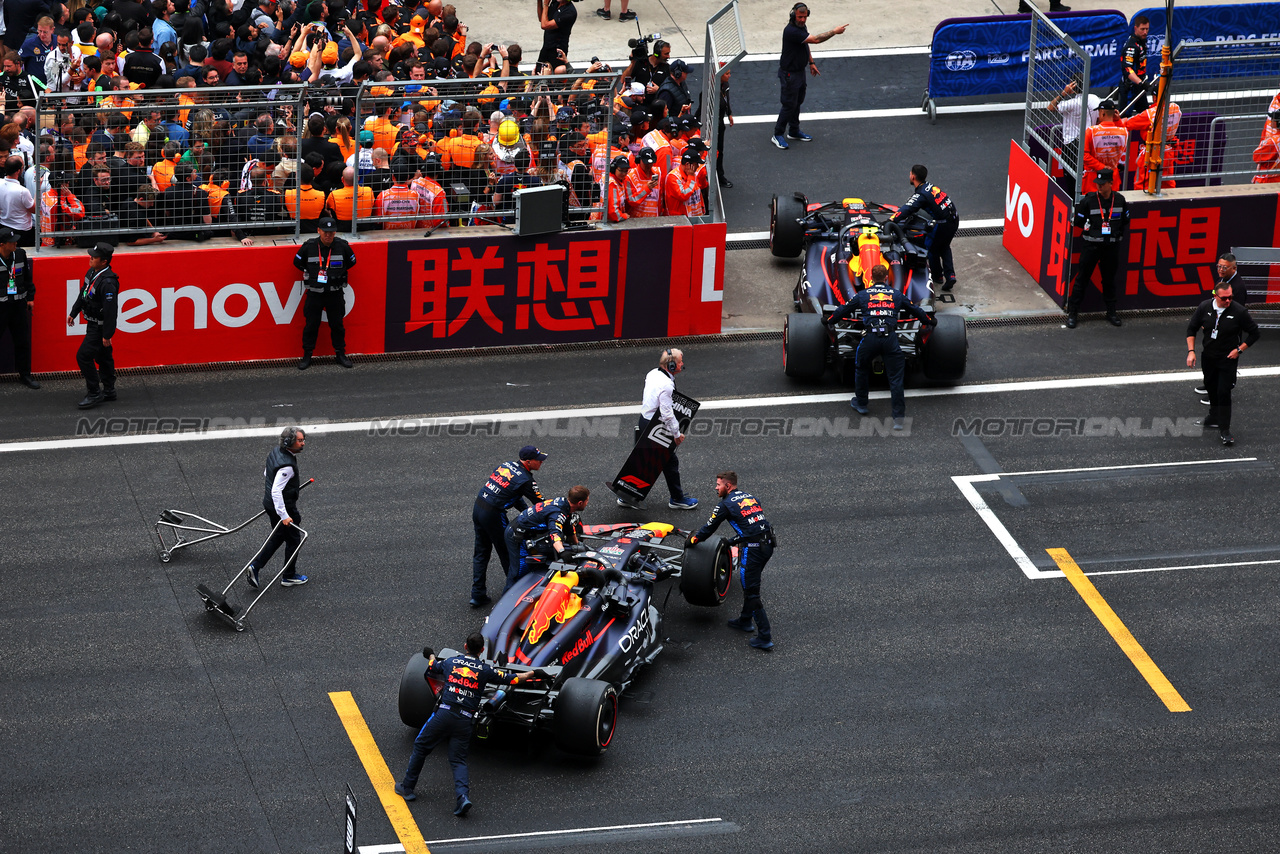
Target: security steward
[1227,275]
[941,209]
[880,305]
[1133,68]
[325,262]
[1103,219]
[510,485]
[543,532]
[1223,321]
[98,301]
[17,298]
[465,677]
[754,533]
[280,500]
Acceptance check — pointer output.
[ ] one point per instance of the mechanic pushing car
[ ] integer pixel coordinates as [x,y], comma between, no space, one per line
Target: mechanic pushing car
[544,531]
[880,305]
[946,220]
[464,678]
[755,534]
[510,485]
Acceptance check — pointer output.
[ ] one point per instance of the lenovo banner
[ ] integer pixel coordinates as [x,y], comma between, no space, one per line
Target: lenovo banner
[1037,222]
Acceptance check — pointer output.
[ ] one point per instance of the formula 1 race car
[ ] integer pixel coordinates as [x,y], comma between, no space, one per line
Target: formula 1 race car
[841,242]
[584,626]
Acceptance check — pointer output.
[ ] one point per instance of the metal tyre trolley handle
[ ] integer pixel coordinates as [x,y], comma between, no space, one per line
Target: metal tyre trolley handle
[178,521]
[217,604]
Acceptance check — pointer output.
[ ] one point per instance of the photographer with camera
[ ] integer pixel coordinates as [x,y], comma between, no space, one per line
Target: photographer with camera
[649,69]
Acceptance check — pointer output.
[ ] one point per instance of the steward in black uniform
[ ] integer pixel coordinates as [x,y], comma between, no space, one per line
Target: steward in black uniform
[1133,59]
[464,677]
[325,261]
[17,298]
[542,532]
[941,209]
[1103,217]
[510,485]
[755,535]
[280,500]
[880,305]
[1223,321]
[99,295]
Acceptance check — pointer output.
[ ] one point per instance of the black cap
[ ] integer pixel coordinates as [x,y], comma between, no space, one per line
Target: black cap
[699,145]
[529,452]
[647,155]
[1105,175]
[8,235]
[690,157]
[327,223]
[679,67]
[1108,104]
[102,250]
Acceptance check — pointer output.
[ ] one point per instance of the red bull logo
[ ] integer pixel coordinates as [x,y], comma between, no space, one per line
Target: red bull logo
[557,604]
[584,643]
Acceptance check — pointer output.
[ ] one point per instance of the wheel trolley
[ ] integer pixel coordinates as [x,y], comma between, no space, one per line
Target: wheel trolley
[217,604]
[177,521]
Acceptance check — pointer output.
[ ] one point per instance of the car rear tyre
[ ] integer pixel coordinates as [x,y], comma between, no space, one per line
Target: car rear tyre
[786,233]
[804,346]
[586,713]
[706,572]
[417,700]
[947,349]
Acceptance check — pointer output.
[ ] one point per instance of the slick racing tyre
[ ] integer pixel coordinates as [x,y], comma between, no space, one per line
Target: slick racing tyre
[804,346]
[417,700]
[947,349]
[706,572]
[586,712]
[786,233]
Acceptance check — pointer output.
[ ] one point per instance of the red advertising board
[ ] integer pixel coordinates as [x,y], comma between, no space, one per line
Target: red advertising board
[1037,222]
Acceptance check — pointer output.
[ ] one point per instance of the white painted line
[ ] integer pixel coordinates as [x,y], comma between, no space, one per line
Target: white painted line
[1133,466]
[1188,566]
[743,236]
[337,427]
[915,50]
[746,235]
[1010,543]
[394,849]
[893,113]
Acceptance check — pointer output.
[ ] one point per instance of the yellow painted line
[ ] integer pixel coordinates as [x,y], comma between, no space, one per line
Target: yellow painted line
[1163,688]
[379,775]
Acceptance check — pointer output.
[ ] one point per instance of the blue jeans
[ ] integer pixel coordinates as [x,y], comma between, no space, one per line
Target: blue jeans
[895,365]
[442,725]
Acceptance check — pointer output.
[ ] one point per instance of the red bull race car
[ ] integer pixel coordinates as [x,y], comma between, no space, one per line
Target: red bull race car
[841,242]
[584,626]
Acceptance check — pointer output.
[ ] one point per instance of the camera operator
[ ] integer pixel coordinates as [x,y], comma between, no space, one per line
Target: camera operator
[649,69]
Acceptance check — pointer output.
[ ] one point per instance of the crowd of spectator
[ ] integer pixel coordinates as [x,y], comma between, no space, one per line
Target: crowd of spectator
[183,119]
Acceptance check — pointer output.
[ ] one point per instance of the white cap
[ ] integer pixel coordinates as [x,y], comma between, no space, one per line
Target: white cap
[637,88]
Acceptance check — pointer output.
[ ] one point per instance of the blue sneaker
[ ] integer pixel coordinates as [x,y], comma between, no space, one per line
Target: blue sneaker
[761,643]
[859,408]
[800,135]
[464,806]
[293,580]
[407,794]
[781,143]
[251,576]
[686,503]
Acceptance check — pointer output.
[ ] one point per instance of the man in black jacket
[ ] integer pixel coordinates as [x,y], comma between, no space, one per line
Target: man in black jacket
[325,262]
[98,300]
[1103,219]
[280,500]
[17,298]
[1223,322]
[142,66]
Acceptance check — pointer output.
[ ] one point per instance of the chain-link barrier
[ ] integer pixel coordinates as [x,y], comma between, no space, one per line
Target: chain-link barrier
[725,46]
[1058,98]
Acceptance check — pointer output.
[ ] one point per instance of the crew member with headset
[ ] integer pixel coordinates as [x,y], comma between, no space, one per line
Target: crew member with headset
[655,406]
[280,500]
[17,298]
[793,61]
[946,220]
[1223,321]
[464,677]
[1103,217]
[880,305]
[325,261]
[99,302]
[745,515]
[510,485]
[544,531]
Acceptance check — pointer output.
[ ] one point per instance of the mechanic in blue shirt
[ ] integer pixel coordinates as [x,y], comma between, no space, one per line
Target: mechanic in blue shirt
[928,197]
[543,531]
[754,533]
[464,677]
[880,305]
[792,63]
[510,485]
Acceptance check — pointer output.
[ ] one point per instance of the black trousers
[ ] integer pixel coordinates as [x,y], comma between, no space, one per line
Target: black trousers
[671,471]
[1104,256]
[793,89]
[720,150]
[335,304]
[94,356]
[895,366]
[491,530]
[754,557]
[286,535]
[16,317]
[1219,379]
[939,240]
[450,726]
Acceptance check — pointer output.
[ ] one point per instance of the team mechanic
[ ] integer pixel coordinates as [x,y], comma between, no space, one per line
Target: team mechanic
[880,305]
[655,405]
[746,517]
[325,261]
[510,485]
[17,298]
[1103,219]
[1223,321]
[946,221]
[1133,69]
[464,677]
[280,500]
[543,531]
[99,301]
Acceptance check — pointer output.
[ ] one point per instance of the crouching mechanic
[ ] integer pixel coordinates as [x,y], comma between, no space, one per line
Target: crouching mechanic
[281,503]
[510,485]
[544,531]
[464,677]
[880,305]
[755,535]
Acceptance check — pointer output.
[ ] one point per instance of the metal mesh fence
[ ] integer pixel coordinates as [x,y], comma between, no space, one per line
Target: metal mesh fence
[1058,99]
[725,46]
[1223,92]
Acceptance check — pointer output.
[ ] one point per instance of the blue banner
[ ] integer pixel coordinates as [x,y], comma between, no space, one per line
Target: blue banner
[989,56]
[1224,24]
